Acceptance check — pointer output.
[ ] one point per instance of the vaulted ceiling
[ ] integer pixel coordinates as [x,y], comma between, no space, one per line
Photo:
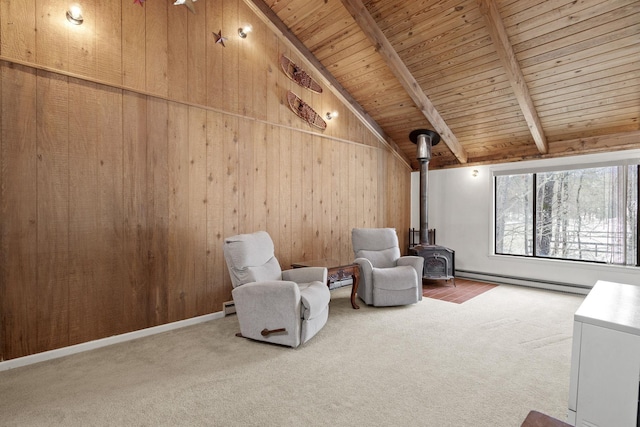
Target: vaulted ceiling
[499,80]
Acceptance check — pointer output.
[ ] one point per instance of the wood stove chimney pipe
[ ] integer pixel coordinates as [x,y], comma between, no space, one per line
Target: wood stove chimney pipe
[424,139]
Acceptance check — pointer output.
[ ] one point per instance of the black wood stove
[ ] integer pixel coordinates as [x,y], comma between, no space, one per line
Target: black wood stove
[439,261]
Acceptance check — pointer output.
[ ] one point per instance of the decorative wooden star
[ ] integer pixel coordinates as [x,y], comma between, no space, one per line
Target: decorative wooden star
[188,3]
[219,38]
[139,2]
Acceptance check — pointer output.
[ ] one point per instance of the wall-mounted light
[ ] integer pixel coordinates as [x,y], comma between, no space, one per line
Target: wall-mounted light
[474,173]
[242,32]
[331,114]
[74,15]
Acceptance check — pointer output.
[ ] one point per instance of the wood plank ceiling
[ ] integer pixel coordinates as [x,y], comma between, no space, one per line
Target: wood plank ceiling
[500,80]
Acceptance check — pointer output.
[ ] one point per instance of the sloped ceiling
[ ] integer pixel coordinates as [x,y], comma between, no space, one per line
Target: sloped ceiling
[499,80]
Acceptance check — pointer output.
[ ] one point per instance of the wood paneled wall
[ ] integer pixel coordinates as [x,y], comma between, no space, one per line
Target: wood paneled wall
[133,144]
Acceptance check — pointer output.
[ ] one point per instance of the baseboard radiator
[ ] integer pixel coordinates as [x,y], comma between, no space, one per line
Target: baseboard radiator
[523,281]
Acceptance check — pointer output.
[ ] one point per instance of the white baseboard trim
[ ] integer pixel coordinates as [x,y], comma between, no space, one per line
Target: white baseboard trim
[92,345]
[523,281]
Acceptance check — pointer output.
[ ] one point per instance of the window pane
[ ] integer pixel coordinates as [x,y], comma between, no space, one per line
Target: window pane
[632,215]
[580,215]
[514,214]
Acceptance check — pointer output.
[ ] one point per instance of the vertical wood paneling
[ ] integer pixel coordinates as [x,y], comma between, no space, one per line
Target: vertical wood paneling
[353,195]
[346,205]
[247,200]
[134,64]
[156,50]
[232,164]
[247,64]
[52,25]
[111,210]
[196,54]
[308,231]
[52,211]
[359,190]
[339,201]
[178,50]
[219,287]
[108,40]
[258,203]
[215,52]
[136,228]
[296,206]
[371,190]
[132,195]
[381,178]
[18,210]
[272,195]
[86,257]
[182,295]
[17,29]
[263,73]
[158,209]
[82,42]
[196,235]
[284,183]
[231,73]
[326,235]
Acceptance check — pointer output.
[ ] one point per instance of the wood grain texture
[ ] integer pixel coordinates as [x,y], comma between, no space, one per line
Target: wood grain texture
[157,208]
[447,47]
[133,182]
[17,29]
[136,231]
[156,56]
[180,248]
[133,35]
[18,210]
[52,180]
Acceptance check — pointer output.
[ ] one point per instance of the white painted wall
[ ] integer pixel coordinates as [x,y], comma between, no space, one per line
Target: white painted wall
[461,211]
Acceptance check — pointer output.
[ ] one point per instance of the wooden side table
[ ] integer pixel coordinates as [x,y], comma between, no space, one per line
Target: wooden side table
[336,272]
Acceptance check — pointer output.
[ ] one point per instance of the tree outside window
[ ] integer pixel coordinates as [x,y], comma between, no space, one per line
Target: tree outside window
[586,214]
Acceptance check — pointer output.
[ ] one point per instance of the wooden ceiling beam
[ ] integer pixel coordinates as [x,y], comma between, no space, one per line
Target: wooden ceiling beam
[500,39]
[369,26]
[270,18]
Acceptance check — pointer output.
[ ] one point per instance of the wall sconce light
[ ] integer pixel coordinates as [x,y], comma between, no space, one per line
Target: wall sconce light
[242,32]
[474,173]
[74,15]
[331,115]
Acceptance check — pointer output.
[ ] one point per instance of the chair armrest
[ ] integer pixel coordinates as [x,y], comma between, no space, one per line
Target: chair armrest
[269,305]
[276,294]
[365,266]
[315,298]
[414,261]
[417,262]
[365,286]
[306,274]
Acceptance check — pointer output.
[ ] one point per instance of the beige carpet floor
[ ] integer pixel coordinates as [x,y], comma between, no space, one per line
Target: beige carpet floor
[486,362]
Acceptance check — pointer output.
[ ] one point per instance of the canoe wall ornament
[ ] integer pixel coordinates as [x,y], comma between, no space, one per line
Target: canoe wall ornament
[304,111]
[298,75]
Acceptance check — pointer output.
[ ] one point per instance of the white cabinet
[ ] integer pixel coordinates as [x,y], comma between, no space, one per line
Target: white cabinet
[605,359]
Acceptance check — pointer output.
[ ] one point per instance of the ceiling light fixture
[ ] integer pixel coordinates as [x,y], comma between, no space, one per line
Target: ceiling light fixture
[331,115]
[474,173]
[74,15]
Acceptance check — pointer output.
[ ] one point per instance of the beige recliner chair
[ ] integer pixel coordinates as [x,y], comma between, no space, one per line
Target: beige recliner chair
[386,278]
[281,307]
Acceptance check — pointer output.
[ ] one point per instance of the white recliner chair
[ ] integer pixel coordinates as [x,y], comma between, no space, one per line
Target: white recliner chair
[281,307]
[386,278]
